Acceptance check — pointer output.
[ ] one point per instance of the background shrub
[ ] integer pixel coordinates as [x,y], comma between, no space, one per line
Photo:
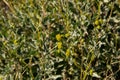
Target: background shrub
[59,39]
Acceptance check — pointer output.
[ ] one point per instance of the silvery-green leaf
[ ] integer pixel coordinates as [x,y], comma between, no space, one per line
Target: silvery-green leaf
[96,75]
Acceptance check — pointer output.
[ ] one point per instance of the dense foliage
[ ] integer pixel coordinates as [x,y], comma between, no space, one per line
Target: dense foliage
[59,40]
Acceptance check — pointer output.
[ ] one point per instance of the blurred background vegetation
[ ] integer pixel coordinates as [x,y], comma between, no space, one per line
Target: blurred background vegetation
[59,39]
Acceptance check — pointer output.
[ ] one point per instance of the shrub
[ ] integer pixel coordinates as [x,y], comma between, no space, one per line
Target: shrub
[59,40]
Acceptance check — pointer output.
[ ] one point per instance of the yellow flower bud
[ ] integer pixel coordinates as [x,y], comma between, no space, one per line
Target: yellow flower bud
[67,53]
[98,27]
[100,21]
[67,35]
[91,72]
[58,50]
[96,22]
[58,37]
[59,45]
[15,42]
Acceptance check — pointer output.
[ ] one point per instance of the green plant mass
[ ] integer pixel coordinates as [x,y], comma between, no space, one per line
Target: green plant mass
[59,40]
